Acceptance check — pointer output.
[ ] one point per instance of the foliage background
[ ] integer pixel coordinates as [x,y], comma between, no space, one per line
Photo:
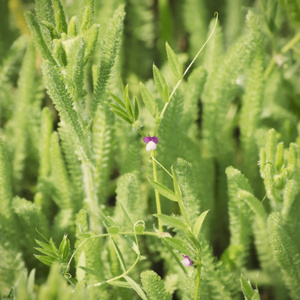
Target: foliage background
[231,133]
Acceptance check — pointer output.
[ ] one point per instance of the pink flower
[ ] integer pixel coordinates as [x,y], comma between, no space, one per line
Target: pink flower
[151,142]
[187,262]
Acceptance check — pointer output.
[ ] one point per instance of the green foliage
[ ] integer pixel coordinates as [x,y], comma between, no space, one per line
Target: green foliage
[154,286]
[109,51]
[218,196]
[285,253]
[248,291]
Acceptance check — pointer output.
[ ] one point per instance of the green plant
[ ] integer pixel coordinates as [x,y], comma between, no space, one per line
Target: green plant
[213,200]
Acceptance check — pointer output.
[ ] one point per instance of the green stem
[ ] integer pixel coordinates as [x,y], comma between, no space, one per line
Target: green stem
[285,49]
[157,197]
[198,281]
[118,277]
[90,190]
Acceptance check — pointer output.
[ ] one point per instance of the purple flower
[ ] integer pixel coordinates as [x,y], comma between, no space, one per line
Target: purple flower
[187,262]
[151,142]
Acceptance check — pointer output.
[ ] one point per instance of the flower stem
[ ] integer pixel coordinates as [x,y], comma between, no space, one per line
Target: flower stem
[198,281]
[157,198]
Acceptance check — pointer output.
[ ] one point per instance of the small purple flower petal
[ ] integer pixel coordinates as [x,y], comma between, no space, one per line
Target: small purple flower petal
[187,262]
[148,139]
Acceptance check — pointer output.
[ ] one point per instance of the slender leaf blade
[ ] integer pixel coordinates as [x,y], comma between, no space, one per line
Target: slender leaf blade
[174,63]
[163,190]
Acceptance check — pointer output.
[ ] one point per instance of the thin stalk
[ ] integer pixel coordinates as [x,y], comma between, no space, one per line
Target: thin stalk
[118,277]
[157,197]
[189,66]
[198,281]
[284,49]
[162,166]
[90,189]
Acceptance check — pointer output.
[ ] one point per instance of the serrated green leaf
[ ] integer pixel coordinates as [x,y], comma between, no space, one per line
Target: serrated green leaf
[148,100]
[163,190]
[72,28]
[136,287]
[179,245]
[172,222]
[198,224]
[38,37]
[159,80]
[60,18]
[91,37]
[53,32]
[174,63]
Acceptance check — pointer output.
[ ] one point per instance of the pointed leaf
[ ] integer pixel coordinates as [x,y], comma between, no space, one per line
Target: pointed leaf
[247,288]
[148,100]
[60,18]
[120,284]
[47,253]
[45,259]
[136,287]
[136,109]
[159,81]
[179,245]
[166,93]
[122,116]
[199,222]
[119,254]
[89,271]
[118,100]
[163,190]
[172,221]
[132,244]
[174,63]
[129,106]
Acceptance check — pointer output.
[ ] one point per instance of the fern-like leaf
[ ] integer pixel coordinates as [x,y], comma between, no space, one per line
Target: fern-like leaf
[240,229]
[5,182]
[59,175]
[285,253]
[154,286]
[56,88]
[190,192]
[103,134]
[110,48]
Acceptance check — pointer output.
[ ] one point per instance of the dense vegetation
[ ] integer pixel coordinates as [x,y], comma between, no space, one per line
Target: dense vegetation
[210,88]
